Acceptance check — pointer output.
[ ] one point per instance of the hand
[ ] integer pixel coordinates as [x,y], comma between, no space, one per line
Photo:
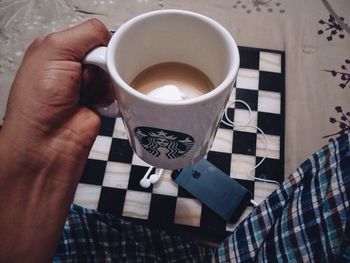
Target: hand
[45,140]
[44,119]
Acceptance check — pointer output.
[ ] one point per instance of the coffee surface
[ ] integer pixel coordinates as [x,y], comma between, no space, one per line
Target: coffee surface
[172,81]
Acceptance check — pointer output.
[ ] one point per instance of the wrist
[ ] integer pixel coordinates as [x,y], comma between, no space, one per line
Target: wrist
[57,158]
[35,195]
[36,176]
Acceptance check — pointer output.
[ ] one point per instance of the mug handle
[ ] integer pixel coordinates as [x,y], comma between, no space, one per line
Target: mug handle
[97,57]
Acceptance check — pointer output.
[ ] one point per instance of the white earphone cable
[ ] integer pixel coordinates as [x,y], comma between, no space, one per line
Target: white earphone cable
[238,126]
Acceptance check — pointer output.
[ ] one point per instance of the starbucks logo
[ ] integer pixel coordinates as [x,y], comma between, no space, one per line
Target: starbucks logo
[164,142]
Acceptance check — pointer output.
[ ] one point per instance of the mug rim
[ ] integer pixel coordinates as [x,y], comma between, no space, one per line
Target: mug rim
[229,78]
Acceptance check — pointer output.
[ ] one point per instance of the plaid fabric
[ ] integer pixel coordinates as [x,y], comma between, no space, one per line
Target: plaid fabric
[90,236]
[305,220]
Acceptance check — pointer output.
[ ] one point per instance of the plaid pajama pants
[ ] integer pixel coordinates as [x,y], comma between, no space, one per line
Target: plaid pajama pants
[307,219]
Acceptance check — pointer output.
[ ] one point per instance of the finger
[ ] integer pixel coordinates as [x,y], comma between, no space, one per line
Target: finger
[75,42]
[97,86]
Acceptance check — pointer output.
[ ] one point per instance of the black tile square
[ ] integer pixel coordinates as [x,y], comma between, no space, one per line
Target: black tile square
[230,115]
[270,123]
[220,160]
[107,126]
[94,172]
[249,58]
[120,151]
[112,201]
[162,210]
[248,96]
[244,143]
[136,174]
[271,169]
[271,81]
[211,223]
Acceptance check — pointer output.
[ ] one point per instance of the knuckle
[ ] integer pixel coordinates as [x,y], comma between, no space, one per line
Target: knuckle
[99,28]
[34,46]
[52,39]
[38,40]
[96,24]
[36,43]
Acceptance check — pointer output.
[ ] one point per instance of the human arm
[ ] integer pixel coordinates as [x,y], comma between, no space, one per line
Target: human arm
[44,142]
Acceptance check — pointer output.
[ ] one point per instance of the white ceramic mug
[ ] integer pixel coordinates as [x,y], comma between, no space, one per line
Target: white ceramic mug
[169,134]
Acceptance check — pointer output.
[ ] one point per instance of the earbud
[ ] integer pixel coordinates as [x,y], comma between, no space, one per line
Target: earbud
[146,182]
[155,177]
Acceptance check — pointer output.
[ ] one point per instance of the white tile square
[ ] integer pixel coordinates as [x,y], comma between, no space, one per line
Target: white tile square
[100,148]
[270,62]
[165,185]
[137,204]
[241,119]
[117,175]
[188,211]
[87,195]
[240,165]
[262,190]
[223,141]
[273,146]
[269,101]
[119,129]
[248,79]
[136,160]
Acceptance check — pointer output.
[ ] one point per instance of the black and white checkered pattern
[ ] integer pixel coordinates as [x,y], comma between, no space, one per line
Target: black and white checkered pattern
[110,181]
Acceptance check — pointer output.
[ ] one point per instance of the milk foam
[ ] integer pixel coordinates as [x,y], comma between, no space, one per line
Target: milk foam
[167,92]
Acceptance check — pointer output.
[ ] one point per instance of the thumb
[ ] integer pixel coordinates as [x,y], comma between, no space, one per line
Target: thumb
[73,44]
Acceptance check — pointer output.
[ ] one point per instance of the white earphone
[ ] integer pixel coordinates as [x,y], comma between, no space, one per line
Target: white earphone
[237,126]
[148,179]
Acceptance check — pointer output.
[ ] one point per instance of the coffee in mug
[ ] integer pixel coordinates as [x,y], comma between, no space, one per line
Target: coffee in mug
[172,81]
